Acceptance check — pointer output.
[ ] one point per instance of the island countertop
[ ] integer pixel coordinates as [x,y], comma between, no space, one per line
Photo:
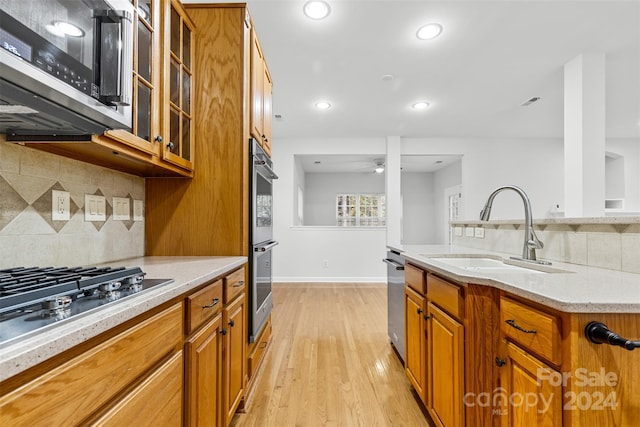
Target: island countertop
[568,287]
[187,273]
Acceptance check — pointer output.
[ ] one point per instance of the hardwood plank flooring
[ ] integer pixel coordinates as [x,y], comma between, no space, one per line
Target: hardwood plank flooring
[330,362]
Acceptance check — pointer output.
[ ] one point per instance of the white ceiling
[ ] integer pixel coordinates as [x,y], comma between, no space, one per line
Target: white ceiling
[343,163]
[492,56]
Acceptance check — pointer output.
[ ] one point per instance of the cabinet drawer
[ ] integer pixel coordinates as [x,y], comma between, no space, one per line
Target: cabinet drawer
[233,285]
[415,278]
[447,296]
[74,390]
[203,305]
[261,346]
[533,329]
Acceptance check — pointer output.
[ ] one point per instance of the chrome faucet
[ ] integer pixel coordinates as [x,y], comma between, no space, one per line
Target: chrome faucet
[531,241]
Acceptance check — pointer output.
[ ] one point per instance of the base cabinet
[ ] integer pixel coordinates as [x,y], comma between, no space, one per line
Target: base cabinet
[445,368]
[234,355]
[203,369]
[415,349]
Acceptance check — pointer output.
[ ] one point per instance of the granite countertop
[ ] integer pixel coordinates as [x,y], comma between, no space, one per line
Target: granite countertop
[187,273]
[569,288]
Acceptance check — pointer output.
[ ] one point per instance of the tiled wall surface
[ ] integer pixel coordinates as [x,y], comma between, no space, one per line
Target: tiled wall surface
[29,236]
[615,247]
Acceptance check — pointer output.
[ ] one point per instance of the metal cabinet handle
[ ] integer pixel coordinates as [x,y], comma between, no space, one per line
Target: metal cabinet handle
[223,331]
[213,302]
[170,145]
[239,284]
[513,324]
[158,138]
[426,317]
[500,362]
[231,323]
[419,311]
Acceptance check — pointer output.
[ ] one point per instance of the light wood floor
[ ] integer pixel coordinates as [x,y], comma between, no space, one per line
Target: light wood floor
[330,362]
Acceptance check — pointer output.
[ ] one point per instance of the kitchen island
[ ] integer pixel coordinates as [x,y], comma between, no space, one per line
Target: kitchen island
[494,341]
[104,366]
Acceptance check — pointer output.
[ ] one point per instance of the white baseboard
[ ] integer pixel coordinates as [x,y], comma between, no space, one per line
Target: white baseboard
[382,279]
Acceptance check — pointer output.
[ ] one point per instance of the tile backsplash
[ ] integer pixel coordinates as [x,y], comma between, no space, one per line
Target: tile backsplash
[28,234]
[615,246]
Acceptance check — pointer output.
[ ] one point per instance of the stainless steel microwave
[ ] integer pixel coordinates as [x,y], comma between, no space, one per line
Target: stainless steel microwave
[65,66]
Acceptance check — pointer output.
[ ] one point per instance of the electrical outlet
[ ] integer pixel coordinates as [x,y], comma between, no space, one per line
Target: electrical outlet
[479,232]
[457,231]
[138,210]
[60,209]
[95,208]
[325,263]
[469,231]
[121,209]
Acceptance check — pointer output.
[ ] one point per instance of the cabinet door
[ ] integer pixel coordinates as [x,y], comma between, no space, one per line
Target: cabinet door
[257,89]
[445,371]
[155,402]
[204,375]
[415,355]
[146,80]
[178,77]
[529,400]
[267,103]
[235,355]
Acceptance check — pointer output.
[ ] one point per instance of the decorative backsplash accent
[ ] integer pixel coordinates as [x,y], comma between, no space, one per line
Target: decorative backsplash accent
[613,243]
[28,234]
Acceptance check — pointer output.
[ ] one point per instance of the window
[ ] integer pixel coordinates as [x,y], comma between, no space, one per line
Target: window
[360,210]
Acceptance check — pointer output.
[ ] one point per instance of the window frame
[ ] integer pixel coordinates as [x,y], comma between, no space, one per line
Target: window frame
[356,219]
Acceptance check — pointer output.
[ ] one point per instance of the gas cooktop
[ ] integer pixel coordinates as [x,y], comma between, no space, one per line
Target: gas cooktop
[34,298]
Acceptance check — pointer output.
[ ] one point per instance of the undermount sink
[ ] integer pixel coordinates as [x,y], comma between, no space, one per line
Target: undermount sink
[492,265]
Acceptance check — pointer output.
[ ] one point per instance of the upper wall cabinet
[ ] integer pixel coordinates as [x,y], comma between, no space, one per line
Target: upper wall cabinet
[160,142]
[162,79]
[261,85]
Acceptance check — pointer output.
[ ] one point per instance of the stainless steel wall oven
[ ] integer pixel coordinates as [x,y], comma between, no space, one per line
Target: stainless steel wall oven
[261,240]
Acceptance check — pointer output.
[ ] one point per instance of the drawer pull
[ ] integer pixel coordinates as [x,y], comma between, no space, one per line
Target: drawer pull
[239,284]
[419,311]
[500,362]
[213,302]
[513,324]
[263,344]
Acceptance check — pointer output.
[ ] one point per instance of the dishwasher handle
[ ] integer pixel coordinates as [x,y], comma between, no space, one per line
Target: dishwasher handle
[394,264]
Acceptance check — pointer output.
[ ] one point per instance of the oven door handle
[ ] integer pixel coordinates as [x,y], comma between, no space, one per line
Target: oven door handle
[394,264]
[265,247]
[265,165]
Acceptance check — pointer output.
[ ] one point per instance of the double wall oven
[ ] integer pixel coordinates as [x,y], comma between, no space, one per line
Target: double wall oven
[261,240]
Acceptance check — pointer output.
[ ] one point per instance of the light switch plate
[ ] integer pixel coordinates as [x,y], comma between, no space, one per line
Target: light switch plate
[95,208]
[457,231]
[60,207]
[121,209]
[479,232]
[468,231]
[138,210]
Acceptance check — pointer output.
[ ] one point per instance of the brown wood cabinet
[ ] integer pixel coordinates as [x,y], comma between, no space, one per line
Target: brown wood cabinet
[415,338]
[261,96]
[107,381]
[161,140]
[497,359]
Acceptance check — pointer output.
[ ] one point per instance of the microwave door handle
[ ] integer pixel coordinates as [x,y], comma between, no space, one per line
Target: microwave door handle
[114,61]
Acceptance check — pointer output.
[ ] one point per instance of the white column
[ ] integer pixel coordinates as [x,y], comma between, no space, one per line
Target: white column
[393,191]
[584,136]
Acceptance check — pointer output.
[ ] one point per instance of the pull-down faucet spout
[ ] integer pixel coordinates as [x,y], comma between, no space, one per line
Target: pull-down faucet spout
[531,241]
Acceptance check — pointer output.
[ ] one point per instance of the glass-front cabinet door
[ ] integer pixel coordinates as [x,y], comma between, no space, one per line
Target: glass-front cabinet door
[177,123]
[145,133]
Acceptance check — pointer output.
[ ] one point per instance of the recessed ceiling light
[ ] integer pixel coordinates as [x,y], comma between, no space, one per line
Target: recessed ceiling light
[387,77]
[420,105]
[323,105]
[316,9]
[429,31]
[62,28]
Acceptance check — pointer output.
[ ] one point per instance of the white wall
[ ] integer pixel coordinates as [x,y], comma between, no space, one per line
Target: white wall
[536,165]
[443,179]
[418,208]
[630,150]
[321,190]
[353,254]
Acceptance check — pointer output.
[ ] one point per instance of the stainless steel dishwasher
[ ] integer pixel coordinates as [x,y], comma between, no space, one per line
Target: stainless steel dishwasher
[395,300]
